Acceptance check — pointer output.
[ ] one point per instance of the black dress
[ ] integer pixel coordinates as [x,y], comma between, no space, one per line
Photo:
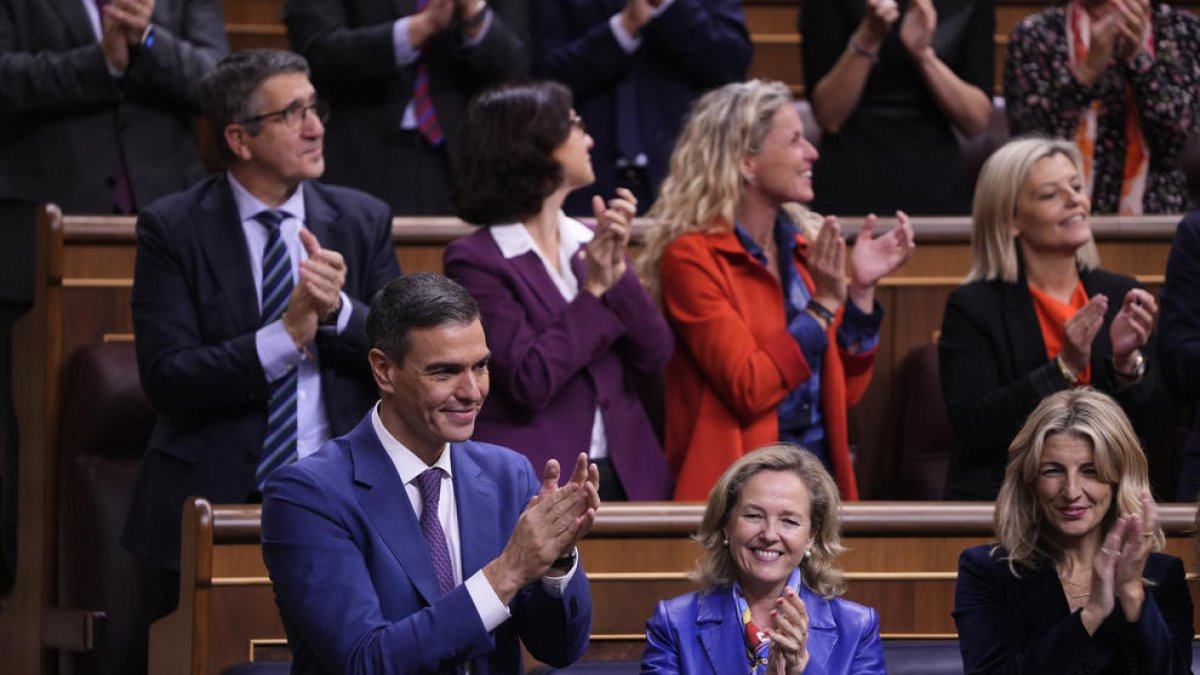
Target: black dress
[896,150]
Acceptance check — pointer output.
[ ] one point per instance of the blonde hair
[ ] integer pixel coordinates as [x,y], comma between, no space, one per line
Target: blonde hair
[1086,414]
[705,180]
[993,246]
[716,565]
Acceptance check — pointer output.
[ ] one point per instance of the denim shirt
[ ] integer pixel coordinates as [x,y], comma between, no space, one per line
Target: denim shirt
[800,412]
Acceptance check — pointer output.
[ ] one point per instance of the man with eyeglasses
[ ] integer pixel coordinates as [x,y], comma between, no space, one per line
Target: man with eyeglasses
[249,303]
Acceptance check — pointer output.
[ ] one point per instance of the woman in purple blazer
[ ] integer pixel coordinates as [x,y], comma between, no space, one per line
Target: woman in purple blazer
[566,317]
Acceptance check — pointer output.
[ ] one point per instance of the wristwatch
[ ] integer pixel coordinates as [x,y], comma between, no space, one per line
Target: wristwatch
[565,562]
[1139,368]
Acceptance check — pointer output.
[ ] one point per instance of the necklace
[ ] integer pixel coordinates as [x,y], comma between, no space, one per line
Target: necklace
[1078,595]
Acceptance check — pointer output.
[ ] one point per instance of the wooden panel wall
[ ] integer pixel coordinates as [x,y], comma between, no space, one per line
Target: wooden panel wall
[902,560]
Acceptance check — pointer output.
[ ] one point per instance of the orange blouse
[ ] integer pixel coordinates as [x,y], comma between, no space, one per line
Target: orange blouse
[1052,316]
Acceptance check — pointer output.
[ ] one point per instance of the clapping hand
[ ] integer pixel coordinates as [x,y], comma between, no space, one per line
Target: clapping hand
[607,249]
[1131,328]
[878,19]
[789,636]
[917,27]
[1119,565]
[873,258]
[1080,331]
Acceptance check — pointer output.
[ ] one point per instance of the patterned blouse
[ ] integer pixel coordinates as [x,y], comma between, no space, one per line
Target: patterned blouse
[1042,95]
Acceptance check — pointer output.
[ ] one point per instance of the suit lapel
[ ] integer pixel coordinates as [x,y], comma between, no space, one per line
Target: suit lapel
[75,20]
[823,635]
[321,218]
[223,241]
[1021,325]
[722,645]
[478,519]
[533,272]
[386,506]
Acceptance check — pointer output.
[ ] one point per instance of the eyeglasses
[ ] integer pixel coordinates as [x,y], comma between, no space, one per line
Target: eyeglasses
[295,114]
[578,123]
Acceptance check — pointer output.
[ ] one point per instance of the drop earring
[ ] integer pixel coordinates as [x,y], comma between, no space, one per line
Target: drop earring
[725,541]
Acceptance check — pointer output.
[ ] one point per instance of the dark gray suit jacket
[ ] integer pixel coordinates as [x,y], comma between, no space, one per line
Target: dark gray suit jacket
[64,119]
[348,44]
[195,314]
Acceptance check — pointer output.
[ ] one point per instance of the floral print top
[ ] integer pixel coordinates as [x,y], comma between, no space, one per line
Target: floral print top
[1042,95]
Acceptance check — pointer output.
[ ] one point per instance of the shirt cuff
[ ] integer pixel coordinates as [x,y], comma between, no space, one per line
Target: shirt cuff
[556,585]
[469,42]
[859,328]
[492,612]
[343,317]
[628,42]
[276,351]
[808,333]
[401,47]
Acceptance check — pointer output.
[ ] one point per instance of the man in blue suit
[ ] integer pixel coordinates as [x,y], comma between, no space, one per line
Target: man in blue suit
[248,301]
[405,547]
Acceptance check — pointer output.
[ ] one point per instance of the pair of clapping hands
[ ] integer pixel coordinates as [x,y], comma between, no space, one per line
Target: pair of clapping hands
[871,259]
[123,24]
[1121,32]
[552,524]
[916,30]
[605,253]
[1130,330]
[1118,567]
[317,297]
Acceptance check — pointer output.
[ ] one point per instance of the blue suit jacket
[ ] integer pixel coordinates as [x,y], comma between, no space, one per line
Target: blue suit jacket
[195,313]
[701,633]
[693,46]
[1014,625]
[354,582]
[1179,339]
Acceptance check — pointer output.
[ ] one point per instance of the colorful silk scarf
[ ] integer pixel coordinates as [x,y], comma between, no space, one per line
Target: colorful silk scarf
[1137,156]
[758,644]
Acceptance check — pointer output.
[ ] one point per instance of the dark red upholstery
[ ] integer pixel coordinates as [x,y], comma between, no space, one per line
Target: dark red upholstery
[924,431]
[106,421]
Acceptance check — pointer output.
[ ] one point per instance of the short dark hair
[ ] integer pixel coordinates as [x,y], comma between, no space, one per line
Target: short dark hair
[503,160]
[420,300]
[229,92]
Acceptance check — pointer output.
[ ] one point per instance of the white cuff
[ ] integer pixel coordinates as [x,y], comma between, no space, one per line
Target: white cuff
[492,612]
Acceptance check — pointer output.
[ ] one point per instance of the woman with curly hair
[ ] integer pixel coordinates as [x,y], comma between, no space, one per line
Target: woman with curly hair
[772,343]
[565,316]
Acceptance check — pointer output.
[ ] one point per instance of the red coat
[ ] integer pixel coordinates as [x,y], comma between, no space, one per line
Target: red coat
[735,362]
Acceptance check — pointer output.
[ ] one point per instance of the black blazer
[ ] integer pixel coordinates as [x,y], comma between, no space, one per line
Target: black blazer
[195,314]
[1009,624]
[1179,339]
[64,121]
[994,371]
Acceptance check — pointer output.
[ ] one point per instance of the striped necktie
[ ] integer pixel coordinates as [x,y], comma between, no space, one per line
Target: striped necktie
[422,100]
[279,446]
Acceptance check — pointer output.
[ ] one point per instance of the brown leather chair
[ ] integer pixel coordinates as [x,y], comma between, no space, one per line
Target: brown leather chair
[106,422]
[924,434]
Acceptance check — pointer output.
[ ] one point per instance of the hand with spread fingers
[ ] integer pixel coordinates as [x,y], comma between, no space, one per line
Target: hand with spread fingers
[873,258]
[1141,535]
[1131,328]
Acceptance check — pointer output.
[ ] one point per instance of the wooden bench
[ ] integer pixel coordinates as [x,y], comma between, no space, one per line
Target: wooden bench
[902,560]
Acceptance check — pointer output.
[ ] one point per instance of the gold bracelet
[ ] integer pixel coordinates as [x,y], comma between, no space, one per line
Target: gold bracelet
[1071,378]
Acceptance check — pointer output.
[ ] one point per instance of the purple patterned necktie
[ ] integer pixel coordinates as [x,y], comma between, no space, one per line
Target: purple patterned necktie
[430,484]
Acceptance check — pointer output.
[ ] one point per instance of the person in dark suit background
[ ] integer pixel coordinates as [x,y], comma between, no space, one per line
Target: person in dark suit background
[248,303]
[97,106]
[406,543]
[1179,340]
[1076,582]
[1037,315]
[399,75]
[635,66]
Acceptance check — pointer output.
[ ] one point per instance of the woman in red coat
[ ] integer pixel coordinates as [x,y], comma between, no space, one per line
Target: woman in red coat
[772,343]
